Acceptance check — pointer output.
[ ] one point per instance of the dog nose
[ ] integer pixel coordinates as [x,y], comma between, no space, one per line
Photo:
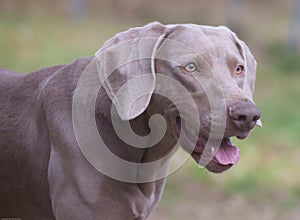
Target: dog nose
[244,114]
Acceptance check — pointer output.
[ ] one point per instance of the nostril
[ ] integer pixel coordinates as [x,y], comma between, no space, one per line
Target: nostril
[256,118]
[244,115]
[242,118]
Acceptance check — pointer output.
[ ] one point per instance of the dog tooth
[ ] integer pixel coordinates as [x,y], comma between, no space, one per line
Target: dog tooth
[212,150]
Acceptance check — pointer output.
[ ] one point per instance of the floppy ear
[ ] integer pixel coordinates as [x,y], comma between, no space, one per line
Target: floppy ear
[125,65]
[250,70]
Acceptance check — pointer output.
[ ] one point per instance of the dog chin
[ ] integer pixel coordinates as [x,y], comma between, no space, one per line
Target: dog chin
[213,166]
[219,158]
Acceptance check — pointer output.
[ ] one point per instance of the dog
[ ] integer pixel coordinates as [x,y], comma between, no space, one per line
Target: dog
[199,79]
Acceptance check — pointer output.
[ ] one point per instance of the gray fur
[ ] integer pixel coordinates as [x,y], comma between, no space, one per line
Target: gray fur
[43,174]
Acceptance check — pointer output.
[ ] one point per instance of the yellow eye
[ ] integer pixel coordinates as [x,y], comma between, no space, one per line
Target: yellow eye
[191,67]
[239,69]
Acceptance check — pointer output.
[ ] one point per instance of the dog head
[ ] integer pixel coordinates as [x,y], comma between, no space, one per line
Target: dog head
[200,78]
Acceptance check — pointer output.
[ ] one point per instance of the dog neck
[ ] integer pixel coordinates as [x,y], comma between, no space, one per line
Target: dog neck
[150,192]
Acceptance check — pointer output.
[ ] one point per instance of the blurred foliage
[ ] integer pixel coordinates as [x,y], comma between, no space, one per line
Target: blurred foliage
[287,59]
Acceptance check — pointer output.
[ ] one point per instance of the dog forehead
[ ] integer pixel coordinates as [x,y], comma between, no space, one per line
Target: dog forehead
[203,39]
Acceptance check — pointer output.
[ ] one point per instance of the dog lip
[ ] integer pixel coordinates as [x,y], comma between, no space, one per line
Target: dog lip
[213,166]
[188,145]
[243,135]
[196,150]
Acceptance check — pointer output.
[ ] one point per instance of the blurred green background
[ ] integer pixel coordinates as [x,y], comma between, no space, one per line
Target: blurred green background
[265,184]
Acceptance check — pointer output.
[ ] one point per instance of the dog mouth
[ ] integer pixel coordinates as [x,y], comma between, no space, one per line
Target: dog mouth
[218,158]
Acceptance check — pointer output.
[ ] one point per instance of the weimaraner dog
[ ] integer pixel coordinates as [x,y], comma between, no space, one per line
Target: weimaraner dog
[45,173]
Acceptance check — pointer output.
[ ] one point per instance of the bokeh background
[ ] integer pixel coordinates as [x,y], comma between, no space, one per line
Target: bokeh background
[266,182]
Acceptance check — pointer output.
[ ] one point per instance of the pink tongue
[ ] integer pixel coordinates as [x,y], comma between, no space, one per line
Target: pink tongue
[227,154]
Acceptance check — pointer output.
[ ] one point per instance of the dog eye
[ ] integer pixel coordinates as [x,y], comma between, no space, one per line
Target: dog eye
[191,67]
[239,69]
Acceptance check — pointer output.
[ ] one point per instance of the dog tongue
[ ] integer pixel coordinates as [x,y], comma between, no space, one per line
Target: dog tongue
[227,154]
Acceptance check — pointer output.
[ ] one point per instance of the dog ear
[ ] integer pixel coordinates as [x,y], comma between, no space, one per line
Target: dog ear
[125,65]
[250,70]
